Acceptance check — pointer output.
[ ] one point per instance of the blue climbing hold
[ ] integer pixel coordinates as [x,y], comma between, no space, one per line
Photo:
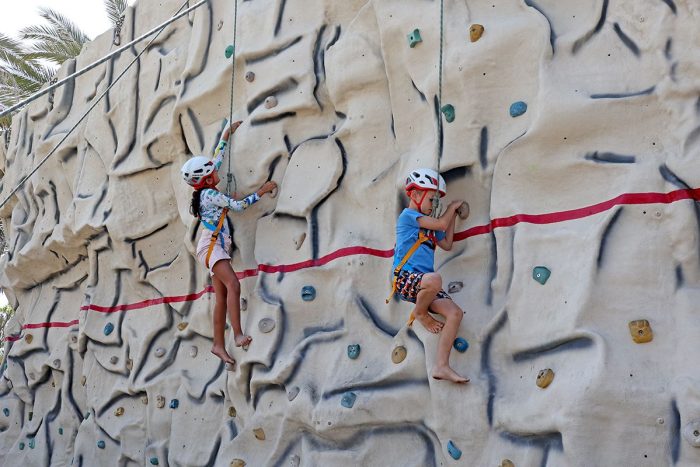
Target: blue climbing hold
[229,51]
[541,274]
[174,404]
[461,344]
[6,411]
[449,111]
[348,400]
[101,444]
[518,108]
[414,38]
[308,293]
[153,460]
[353,351]
[109,327]
[454,451]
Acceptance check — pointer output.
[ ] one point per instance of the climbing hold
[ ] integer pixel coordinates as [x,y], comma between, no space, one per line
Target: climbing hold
[74,338]
[160,351]
[153,460]
[691,433]
[461,345]
[541,274]
[250,76]
[193,351]
[174,404]
[109,327]
[294,460]
[244,304]
[229,51]
[28,338]
[398,354]
[475,32]
[119,412]
[114,360]
[57,364]
[21,446]
[308,293]
[32,443]
[83,380]
[101,444]
[453,450]
[348,399]
[414,38]
[353,351]
[641,331]
[160,402]
[455,286]
[463,210]
[232,411]
[507,463]
[144,400]
[660,421]
[31,415]
[6,411]
[60,430]
[238,463]
[259,433]
[544,378]
[299,240]
[182,326]
[87,415]
[293,393]
[448,110]
[266,325]
[129,364]
[270,102]
[517,109]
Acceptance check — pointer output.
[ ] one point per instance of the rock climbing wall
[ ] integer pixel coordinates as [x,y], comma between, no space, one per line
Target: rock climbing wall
[573,133]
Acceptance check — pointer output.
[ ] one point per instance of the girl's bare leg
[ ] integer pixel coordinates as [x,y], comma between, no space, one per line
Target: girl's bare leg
[219,346]
[224,272]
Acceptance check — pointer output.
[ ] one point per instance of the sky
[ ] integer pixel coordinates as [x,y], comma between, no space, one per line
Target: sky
[89,15]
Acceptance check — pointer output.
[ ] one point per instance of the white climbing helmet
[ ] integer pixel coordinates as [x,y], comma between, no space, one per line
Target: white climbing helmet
[425,179]
[195,170]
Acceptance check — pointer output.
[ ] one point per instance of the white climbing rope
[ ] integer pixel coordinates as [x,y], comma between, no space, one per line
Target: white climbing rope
[97,101]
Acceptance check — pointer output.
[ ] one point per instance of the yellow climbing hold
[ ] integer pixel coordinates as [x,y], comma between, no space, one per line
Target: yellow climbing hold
[119,412]
[160,402]
[28,338]
[475,32]
[83,380]
[641,332]
[259,433]
[545,377]
[182,326]
[507,463]
[238,463]
[463,210]
[398,354]
[232,411]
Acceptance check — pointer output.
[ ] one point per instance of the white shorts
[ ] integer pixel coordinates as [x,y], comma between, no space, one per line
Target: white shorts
[217,254]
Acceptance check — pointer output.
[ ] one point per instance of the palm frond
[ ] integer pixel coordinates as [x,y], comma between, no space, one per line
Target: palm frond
[57,41]
[115,10]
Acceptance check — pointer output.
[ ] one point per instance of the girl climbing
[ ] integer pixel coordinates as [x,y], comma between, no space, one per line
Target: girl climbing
[213,249]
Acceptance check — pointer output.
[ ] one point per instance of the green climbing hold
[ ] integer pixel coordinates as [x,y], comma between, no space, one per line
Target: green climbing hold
[32,443]
[101,444]
[414,38]
[153,460]
[60,431]
[229,51]
[31,415]
[541,274]
[21,446]
[353,351]
[449,111]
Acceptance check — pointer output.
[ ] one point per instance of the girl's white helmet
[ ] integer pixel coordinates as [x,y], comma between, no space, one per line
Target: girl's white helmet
[426,179]
[195,170]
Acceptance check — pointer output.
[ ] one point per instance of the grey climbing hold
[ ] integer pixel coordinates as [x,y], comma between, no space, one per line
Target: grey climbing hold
[308,293]
[160,402]
[153,460]
[461,345]
[193,351]
[160,351]
[101,444]
[266,325]
[174,404]
[353,351]
[229,51]
[448,110]
[144,400]
[250,76]
[6,411]
[270,102]
[293,393]
[691,433]
[294,460]
[244,304]
[541,274]
[455,286]
[113,359]
[414,38]
[348,399]
[129,364]
[453,450]
[57,363]
[299,240]
[518,108]
[109,327]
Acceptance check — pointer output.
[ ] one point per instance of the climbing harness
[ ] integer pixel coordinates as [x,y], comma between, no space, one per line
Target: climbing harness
[159,30]
[214,235]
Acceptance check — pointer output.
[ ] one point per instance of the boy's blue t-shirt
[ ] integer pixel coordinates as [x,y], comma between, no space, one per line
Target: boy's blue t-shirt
[407,229]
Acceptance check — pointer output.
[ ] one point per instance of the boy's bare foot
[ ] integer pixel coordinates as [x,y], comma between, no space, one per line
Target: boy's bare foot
[242,340]
[223,355]
[448,374]
[430,323]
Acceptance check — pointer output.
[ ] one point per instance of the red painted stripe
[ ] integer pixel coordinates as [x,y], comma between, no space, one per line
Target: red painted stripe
[548,218]
[50,324]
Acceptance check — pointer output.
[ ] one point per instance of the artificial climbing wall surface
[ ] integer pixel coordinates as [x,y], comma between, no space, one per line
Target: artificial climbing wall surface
[576,128]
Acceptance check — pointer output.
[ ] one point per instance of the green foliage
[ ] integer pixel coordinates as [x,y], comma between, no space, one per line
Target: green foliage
[6,313]
[115,11]
[55,42]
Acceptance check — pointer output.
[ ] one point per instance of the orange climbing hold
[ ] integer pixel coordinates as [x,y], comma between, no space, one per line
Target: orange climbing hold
[545,378]
[475,32]
[641,332]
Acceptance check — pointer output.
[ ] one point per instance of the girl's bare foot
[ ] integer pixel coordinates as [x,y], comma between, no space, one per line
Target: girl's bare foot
[220,352]
[447,373]
[242,340]
[430,323]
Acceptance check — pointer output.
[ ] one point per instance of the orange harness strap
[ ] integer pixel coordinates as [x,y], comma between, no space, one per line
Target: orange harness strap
[215,236]
[422,238]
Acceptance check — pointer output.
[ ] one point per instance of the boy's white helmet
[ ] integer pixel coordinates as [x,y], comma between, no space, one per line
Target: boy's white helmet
[426,179]
[195,170]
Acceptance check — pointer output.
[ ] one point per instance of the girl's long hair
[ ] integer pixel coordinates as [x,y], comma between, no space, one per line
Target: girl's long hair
[194,205]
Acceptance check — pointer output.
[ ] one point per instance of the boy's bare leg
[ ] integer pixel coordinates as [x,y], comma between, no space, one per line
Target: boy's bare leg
[430,285]
[224,272]
[453,317]
[219,346]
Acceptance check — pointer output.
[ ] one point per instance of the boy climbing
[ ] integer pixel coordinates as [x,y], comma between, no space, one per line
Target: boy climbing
[415,279]
[213,249]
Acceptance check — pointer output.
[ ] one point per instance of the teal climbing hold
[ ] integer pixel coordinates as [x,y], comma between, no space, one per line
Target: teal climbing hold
[174,404]
[348,399]
[308,293]
[453,450]
[153,460]
[101,444]
[518,108]
[32,443]
[60,431]
[353,351]
[109,327]
[21,446]
[448,111]
[6,411]
[229,51]
[461,344]
[541,274]
[31,415]
[414,38]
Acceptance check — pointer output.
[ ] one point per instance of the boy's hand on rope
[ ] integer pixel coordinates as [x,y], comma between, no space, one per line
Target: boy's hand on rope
[268,187]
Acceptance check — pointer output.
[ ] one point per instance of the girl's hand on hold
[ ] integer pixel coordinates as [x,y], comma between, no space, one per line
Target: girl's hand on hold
[234,126]
[267,188]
